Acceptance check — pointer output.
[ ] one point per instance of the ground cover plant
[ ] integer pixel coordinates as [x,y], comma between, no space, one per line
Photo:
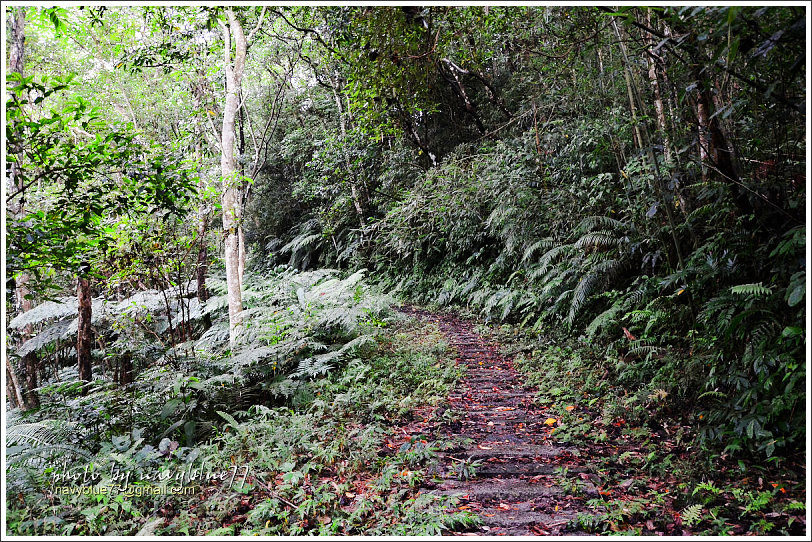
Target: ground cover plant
[316,442]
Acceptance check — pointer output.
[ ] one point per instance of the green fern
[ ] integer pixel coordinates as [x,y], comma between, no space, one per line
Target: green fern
[48,311]
[38,441]
[593,222]
[604,319]
[643,350]
[691,515]
[543,244]
[754,289]
[600,239]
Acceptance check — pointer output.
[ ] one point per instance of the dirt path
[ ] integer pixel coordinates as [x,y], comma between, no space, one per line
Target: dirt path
[516,488]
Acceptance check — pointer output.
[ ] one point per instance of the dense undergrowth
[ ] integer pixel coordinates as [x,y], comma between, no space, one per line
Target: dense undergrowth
[721,333]
[625,189]
[642,441]
[285,432]
[601,203]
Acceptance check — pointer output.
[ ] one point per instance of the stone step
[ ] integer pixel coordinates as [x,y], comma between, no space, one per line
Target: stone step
[511,451]
[500,490]
[479,395]
[521,516]
[513,470]
[523,469]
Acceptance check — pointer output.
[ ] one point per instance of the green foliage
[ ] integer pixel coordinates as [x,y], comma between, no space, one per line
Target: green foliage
[312,354]
[90,168]
[483,158]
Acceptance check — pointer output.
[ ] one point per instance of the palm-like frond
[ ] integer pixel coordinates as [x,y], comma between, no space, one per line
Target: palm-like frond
[593,222]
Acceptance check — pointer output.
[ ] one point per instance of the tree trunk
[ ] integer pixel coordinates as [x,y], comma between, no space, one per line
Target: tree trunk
[31,364]
[658,100]
[645,142]
[702,128]
[241,248]
[125,375]
[342,122]
[22,293]
[13,390]
[202,268]
[629,90]
[231,179]
[85,334]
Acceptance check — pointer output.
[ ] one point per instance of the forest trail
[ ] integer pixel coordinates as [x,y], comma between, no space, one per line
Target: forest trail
[517,462]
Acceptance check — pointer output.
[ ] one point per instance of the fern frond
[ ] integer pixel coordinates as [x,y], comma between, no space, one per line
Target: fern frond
[59,331]
[753,289]
[691,515]
[605,318]
[585,288]
[543,244]
[644,350]
[553,255]
[39,440]
[600,239]
[593,222]
[56,310]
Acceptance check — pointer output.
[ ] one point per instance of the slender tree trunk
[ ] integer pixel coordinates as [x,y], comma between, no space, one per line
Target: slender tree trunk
[84,338]
[31,364]
[125,375]
[342,121]
[202,268]
[658,100]
[702,136]
[231,179]
[629,90]
[242,197]
[242,253]
[13,390]
[634,96]
[600,64]
[22,294]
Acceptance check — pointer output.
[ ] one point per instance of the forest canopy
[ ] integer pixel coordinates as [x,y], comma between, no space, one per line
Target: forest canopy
[212,212]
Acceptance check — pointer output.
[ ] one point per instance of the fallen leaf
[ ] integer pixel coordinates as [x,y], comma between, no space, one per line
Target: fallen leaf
[550,421]
[570,408]
[539,531]
[481,447]
[503,506]
[629,335]
[503,408]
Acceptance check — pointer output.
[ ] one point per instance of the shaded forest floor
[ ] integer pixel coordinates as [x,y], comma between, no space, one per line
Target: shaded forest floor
[505,463]
[437,426]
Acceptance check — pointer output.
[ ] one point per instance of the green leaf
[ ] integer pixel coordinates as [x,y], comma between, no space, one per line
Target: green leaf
[170,408]
[233,423]
[791,331]
[754,289]
[796,295]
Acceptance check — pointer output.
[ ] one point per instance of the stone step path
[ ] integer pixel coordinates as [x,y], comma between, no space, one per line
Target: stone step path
[516,489]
